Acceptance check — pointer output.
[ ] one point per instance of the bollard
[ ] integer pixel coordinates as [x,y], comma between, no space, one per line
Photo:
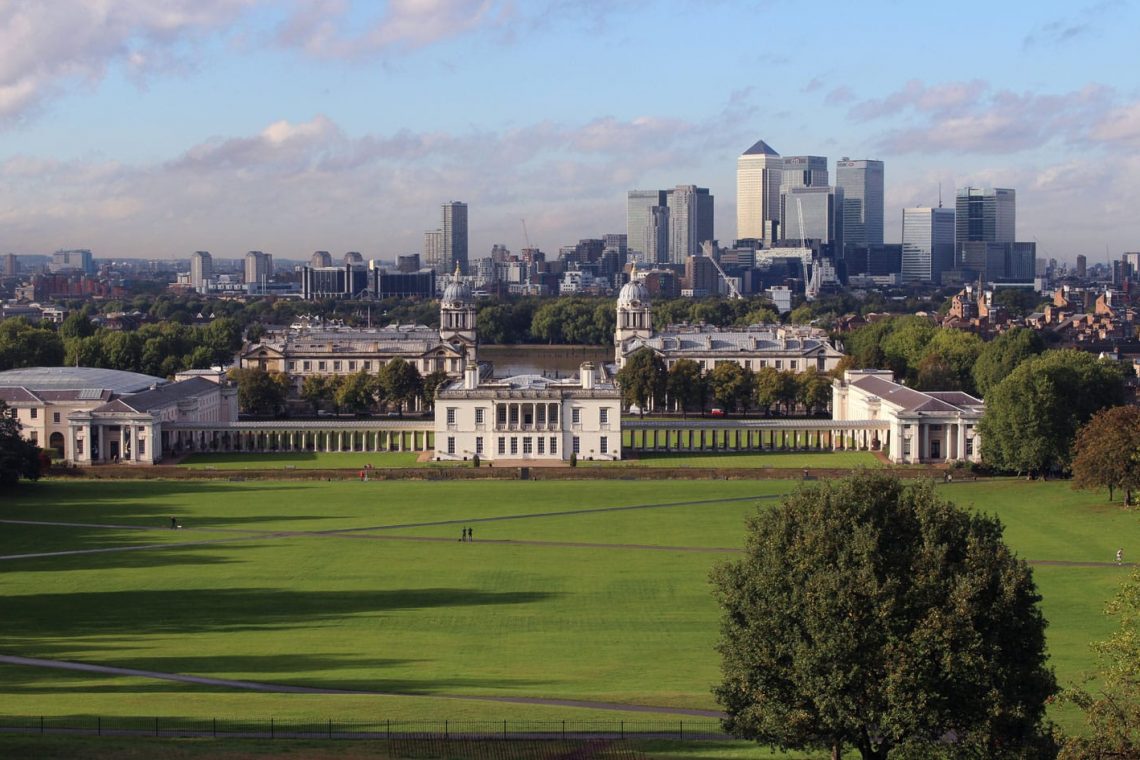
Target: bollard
[330,728]
[215,722]
[99,725]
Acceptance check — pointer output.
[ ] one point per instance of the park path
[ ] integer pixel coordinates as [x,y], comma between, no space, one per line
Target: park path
[274,688]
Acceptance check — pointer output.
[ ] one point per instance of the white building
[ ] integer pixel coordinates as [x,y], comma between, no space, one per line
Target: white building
[529,417]
[931,426]
[785,347]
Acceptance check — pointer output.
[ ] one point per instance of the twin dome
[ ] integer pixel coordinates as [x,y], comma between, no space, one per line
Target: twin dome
[633,293]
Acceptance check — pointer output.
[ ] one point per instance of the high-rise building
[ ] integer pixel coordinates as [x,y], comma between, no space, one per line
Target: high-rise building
[72,261]
[690,221]
[455,235]
[353,259]
[10,265]
[258,268]
[987,215]
[1131,261]
[642,233]
[862,184]
[820,208]
[758,175]
[433,251]
[1082,266]
[201,270]
[927,243]
[803,171]
[320,259]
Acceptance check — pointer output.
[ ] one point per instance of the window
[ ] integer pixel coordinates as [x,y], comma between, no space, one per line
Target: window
[336,366]
[514,445]
[306,366]
[779,364]
[540,414]
[502,446]
[747,364]
[793,364]
[554,414]
[479,444]
[35,435]
[553,445]
[575,416]
[55,417]
[34,412]
[142,447]
[322,366]
[451,415]
[527,445]
[292,366]
[969,446]
[604,415]
[79,446]
[367,366]
[501,414]
[451,444]
[352,366]
[541,445]
[763,363]
[576,445]
[819,364]
[604,445]
[479,416]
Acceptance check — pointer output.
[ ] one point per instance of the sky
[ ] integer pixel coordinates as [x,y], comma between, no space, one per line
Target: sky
[151,129]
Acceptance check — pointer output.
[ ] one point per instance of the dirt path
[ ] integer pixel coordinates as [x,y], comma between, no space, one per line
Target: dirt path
[273,688]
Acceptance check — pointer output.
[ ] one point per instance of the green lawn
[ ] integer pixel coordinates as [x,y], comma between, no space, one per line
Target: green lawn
[781,460]
[304,460]
[553,599]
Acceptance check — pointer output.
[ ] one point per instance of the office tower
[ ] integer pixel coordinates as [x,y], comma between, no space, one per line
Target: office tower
[10,265]
[353,259]
[320,259]
[986,215]
[455,235]
[758,175]
[408,264]
[258,268]
[1019,261]
[820,208]
[641,222]
[1131,261]
[701,276]
[201,270]
[803,171]
[862,184]
[72,261]
[1082,266]
[690,221]
[927,243]
[433,251]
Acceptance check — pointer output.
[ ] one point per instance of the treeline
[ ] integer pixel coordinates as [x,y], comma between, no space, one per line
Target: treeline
[686,387]
[160,349]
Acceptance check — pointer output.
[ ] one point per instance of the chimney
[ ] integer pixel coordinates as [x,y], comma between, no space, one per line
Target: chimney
[586,372]
[471,376]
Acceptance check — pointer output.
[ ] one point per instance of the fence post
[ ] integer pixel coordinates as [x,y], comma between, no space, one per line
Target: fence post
[389,722]
[563,730]
[98,725]
[215,722]
[504,729]
[271,728]
[445,733]
[682,730]
[41,724]
[330,728]
[623,729]
[156,725]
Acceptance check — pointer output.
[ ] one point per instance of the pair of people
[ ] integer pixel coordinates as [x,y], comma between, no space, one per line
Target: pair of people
[467,534]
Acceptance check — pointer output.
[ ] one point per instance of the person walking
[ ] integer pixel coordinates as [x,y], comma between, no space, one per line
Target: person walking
[1119,556]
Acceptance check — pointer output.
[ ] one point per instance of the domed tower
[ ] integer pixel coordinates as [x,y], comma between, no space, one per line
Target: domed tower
[457,314]
[634,316]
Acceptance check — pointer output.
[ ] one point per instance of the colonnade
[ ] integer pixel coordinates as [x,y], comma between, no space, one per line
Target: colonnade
[824,436]
[238,438]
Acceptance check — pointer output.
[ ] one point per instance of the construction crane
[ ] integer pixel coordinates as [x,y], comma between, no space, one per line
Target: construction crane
[526,235]
[733,293]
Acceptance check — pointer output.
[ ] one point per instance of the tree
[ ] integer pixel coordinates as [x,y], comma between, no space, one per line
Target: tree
[259,391]
[1032,415]
[22,344]
[18,458]
[1106,452]
[357,392]
[957,352]
[768,386]
[642,379]
[732,386]
[813,390]
[400,383]
[1000,357]
[686,385]
[316,389]
[1113,715]
[432,383]
[871,614]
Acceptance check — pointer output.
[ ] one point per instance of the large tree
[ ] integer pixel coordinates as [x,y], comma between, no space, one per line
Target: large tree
[432,383]
[873,614]
[642,379]
[18,458]
[1106,453]
[732,386]
[686,386]
[261,392]
[400,383]
[1001,356]
[1032,415]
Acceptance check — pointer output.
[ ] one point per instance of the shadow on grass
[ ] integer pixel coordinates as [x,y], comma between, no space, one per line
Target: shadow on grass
[189,611]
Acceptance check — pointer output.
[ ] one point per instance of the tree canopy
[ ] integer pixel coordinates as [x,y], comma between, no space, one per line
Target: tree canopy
[1032,415]
[18,458]
[1000,356]
[642,379]
[873,614]
[1106,453]
[686,385]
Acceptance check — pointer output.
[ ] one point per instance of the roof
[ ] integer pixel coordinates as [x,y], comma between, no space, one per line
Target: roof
[910,400]
[77,378]
[754,339]
[761,148]
[161,397]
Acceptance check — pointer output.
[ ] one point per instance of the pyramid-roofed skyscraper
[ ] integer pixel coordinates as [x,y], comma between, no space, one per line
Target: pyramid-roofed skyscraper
[758,175]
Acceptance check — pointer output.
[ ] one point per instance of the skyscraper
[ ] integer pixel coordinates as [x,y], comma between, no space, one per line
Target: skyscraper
[201,270]
[455,235]
[986,215]
[758,175]
[803,171]
[690,221]
[258,268]
[640,224]
[433,251]
[927,243]
[820,208]
[862,184]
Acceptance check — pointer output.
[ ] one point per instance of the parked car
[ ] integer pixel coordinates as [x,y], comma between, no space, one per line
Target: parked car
[716,411]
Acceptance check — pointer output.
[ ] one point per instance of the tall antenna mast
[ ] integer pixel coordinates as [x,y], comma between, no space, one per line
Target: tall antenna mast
[939,195]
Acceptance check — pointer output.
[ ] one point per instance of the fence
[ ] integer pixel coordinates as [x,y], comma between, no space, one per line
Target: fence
[272,728]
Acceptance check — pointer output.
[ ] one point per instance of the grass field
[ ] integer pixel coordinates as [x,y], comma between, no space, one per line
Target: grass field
[304,460]
[794,460]
[365,586]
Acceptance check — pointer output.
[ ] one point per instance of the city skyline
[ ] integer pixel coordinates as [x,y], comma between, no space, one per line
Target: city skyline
[139,130]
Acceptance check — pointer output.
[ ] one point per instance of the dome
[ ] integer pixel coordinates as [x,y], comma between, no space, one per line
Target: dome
[457,292]
[633,293]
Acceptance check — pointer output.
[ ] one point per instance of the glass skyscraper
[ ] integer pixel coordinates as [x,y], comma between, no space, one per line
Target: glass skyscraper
[927,243]
[758,175]
[862,183]
[821,209]
[645,238]
[988,216]
[455,235]
[690,221]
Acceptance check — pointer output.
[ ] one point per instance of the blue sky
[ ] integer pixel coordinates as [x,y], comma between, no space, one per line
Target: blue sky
[153,129]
